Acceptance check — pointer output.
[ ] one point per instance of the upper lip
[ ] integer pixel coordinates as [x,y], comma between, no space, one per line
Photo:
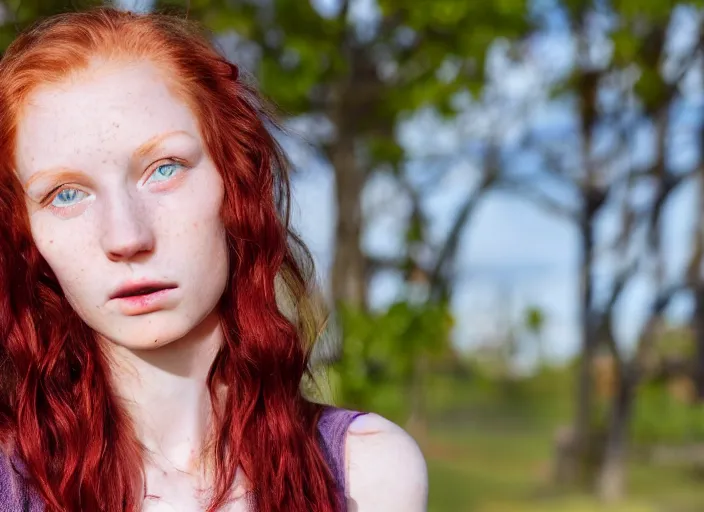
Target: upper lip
[140,287]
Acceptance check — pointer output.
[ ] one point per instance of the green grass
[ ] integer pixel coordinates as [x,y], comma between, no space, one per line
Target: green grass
[504,466]
[490,446]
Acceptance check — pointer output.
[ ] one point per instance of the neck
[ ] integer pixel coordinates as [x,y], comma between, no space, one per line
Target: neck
[166,393]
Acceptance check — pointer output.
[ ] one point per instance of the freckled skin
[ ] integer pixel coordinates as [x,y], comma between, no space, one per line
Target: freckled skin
[125,228]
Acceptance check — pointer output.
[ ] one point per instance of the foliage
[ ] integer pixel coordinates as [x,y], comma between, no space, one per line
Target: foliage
[534,320]
[661,418]
[381,349]
[17,15]
[415,54]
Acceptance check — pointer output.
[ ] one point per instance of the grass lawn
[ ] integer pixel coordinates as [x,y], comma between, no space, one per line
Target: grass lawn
[485,467]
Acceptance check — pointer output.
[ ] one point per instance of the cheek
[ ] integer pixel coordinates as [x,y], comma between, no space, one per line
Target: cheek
[188,225]
[207,233]
[196,213]
[66,253]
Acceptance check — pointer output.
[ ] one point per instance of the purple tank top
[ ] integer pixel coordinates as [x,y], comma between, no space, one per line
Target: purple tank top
[332,427]
[17,496]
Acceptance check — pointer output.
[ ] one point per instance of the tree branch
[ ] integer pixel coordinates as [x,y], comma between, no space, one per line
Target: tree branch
[449,248]
[543,201]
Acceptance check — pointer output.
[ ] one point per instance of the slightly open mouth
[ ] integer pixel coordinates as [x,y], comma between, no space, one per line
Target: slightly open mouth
[137,293]
[141,292]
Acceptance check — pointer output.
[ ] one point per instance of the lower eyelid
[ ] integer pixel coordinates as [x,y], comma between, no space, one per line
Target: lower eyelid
[68,211]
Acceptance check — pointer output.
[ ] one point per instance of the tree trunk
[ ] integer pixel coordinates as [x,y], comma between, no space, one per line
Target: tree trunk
[592,200]
[349,268]
[611,481]
[575,469]
[698,328]
[348,274]
[697,284]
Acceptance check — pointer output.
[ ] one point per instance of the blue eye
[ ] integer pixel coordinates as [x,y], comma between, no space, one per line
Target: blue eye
[164,172]
[68,197]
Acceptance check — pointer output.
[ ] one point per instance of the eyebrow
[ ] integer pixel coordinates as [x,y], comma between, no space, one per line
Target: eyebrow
[67,174]
[60,173]
[152,143]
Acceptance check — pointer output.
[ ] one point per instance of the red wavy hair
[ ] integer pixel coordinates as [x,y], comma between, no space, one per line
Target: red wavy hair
[57,409]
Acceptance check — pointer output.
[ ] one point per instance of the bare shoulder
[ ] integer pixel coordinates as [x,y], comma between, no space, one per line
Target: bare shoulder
[386,470]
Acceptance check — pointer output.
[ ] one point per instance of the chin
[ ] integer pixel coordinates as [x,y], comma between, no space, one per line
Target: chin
[148,332]
[156,339]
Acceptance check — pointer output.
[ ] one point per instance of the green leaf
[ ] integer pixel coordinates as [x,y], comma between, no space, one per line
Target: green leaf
[651,88]
[626,46]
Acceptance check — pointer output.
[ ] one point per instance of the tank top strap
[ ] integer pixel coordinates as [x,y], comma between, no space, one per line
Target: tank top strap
[332,427]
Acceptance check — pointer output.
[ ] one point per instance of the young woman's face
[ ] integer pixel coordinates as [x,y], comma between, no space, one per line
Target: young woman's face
[124,203]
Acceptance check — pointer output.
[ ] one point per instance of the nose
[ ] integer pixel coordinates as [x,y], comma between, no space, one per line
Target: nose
[126,229]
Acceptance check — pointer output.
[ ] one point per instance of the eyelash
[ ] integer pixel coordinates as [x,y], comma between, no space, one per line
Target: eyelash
[51,195]
[49,198]
[165,163]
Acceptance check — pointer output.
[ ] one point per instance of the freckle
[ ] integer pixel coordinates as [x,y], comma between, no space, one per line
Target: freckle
[51,241]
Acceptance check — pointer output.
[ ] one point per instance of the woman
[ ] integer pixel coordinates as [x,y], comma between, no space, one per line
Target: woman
[145,259]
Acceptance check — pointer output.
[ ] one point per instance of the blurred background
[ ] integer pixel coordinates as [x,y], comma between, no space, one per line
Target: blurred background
[505,200]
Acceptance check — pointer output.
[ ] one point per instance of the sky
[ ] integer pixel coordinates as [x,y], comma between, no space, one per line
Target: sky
[514,254]
[134,5]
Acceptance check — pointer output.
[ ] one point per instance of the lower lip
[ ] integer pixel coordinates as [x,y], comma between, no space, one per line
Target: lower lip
[143,304]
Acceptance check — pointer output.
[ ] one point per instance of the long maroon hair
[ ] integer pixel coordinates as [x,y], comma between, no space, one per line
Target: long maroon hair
[58,412]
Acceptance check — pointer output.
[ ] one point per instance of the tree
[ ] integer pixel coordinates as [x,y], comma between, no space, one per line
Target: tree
[363,78]
[535,324]
[613,96]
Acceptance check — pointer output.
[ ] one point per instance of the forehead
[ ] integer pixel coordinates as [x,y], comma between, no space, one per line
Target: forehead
[102,113]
